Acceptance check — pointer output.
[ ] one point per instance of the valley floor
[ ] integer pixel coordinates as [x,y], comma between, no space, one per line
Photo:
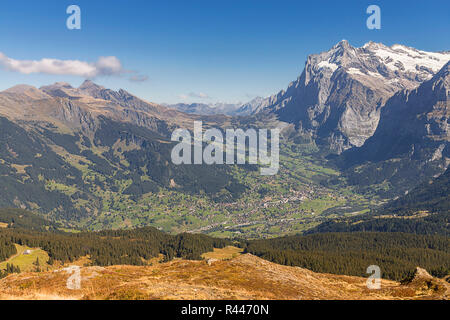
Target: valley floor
[242,277]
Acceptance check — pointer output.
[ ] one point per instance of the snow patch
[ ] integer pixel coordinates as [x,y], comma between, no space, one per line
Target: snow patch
[411,59]
[327,64]
[355,71]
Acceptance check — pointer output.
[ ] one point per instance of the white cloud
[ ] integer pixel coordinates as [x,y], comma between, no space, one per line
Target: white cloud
[138,78]
[199,95]
[105,66]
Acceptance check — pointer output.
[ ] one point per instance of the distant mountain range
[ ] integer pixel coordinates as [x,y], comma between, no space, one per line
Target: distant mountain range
[207,109]
[229,109]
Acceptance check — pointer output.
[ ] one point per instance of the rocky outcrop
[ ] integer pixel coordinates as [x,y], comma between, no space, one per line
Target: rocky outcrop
[424,284]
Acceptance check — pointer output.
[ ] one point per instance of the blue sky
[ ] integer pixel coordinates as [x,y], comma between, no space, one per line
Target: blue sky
[206,51]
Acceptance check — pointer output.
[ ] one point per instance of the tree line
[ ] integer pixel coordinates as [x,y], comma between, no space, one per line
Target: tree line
[106,248]
[397,254]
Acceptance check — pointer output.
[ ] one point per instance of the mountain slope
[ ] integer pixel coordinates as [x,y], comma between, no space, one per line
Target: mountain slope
[252,106]
[433,196]
[424,210]
[74,153]
[78,176]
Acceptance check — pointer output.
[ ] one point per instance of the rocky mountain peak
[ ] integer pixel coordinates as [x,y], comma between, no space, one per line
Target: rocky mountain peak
[62,84]
[398,67]
[342,49]
[344,44]
[90,88]
[59,89]
[125,94]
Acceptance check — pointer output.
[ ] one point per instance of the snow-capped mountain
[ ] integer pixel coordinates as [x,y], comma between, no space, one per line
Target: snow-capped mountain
[401,66]
[338,97]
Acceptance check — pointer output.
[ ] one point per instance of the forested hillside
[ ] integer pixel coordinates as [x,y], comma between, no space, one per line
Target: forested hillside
[114,247]
[424,210]
[433,196]
[23,219]
[420,224]
[397,254]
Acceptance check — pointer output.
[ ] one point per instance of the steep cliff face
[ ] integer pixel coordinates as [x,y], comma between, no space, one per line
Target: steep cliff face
[414,123]
[338,97]
[411,143]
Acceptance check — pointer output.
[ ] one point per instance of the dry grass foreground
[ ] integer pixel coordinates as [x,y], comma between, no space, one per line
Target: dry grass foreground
[244,277]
